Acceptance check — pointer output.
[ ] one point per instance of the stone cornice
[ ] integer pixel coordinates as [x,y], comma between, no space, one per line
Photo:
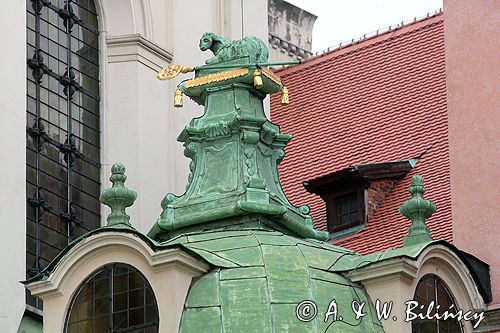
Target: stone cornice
[385,270]
[404,268]
[123,245]
[491,322]
[134,47]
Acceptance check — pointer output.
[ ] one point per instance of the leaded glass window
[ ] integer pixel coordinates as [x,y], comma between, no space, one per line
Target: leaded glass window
[434,298]
[116,298]
[62,145]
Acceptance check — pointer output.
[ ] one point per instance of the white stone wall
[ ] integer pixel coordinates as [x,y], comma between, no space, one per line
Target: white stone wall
[139,125]
[290,31]
[12,162]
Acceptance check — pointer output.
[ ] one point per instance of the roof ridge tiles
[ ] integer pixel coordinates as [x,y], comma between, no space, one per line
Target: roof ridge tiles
[411,27]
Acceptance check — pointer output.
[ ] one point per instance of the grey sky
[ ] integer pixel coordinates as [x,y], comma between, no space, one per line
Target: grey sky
[341,20]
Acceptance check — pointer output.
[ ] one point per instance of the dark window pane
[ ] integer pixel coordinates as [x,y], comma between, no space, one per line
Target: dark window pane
[120,320]
[94,303]
[344,219]
[135,281]
[101,288]
[102,305]
[120,283]
[343,208]
[73,328]
[432,289]
[85,326]
[344,211]
[136,298]
[151,314]
[136,317]
[101,324]
[120,302]
[149,296]
[353,216]
[54,113]
[86,293]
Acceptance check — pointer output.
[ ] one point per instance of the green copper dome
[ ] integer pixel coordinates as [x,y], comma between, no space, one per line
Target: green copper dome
[267,257]
[259,278]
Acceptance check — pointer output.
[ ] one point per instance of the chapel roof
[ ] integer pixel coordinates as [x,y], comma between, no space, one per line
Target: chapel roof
[254,286]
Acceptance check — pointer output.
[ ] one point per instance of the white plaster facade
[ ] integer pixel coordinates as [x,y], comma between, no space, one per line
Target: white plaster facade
[139,125]
[395,280]
[13,162]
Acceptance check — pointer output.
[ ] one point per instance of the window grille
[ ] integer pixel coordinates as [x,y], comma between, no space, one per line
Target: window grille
[432,289]
[116,298]
[62,145]
[345,208]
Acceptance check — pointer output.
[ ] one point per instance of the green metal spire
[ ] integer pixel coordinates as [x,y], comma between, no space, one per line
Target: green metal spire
[417,209]
[118,197]
[234,148]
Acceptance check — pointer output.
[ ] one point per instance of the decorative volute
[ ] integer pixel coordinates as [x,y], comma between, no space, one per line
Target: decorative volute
[118,197]
[234,148]
[417,210]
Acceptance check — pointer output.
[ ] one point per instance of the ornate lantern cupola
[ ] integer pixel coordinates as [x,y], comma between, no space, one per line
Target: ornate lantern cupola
[234,148]
[264,252]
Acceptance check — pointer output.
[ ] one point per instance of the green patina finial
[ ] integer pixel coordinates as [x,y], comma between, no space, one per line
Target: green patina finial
[417,209]
[118,197]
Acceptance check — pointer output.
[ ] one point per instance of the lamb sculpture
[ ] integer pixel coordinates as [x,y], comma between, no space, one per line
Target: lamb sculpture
[224,49]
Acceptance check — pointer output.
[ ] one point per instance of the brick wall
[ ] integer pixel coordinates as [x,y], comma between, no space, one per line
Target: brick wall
[376,194]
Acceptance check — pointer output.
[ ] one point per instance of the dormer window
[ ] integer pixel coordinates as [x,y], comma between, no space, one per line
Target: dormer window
[352,195]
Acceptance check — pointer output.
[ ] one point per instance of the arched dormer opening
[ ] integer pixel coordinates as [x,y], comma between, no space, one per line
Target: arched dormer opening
[433,293]
[168,272]
[115,297]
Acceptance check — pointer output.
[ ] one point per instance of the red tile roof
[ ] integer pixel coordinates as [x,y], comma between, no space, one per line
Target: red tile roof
[382,99]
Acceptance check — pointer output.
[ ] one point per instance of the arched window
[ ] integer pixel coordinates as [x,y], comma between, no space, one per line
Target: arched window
[62,141]
[116,298]
[432,293]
